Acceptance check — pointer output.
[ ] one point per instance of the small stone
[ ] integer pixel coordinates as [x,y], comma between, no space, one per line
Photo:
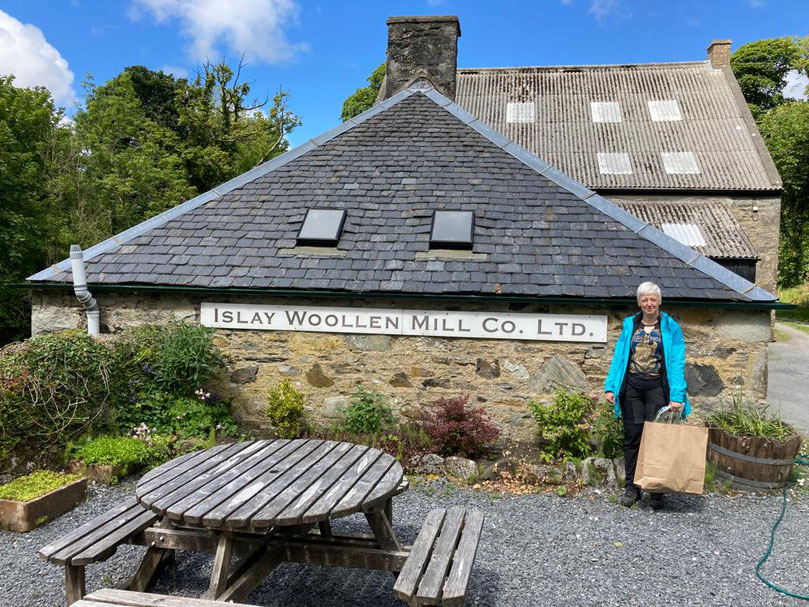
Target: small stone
[460,468]
[553,475]
[588,472]
[487,369]
[703,380]
[518,420]
[400,380]
[333,405]
[569,472]
[285,369]
[369,343]
[436,382]
[516,369]
[428,464]
[606,470]
[317,378]
[620,471]
[245,375]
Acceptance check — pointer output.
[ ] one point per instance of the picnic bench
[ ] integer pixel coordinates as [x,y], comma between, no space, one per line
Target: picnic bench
[127,598]
[269,502]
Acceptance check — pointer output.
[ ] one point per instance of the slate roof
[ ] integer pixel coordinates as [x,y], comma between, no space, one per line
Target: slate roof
[716,125]
[537,232]
[724,237]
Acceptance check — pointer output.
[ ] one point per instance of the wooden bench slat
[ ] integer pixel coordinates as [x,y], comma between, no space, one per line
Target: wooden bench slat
[432,582]
[455,586]
[86,603]
[105,546]
[53,551]
[112,596]
[354,497]
[410,575]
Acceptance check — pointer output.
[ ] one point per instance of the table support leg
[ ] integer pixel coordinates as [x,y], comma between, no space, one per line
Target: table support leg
[383,530]
[221,566]
[153,559]
[325,528]
[74,583]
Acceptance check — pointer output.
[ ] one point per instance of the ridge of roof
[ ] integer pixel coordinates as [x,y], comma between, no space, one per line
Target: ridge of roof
[604,66]
[422,86]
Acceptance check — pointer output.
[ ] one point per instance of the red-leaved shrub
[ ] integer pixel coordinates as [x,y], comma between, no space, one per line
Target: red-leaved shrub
[457,429]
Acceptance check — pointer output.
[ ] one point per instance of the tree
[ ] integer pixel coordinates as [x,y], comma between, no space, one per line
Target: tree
[362,99]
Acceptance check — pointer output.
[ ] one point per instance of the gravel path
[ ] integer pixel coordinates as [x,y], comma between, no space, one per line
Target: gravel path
[535,550]
[787,370]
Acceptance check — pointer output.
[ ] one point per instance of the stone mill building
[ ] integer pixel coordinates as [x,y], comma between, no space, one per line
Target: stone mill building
[477,231]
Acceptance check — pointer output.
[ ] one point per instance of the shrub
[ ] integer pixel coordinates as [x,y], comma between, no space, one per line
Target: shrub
[457,429]
[34,485]
[184,359]
[367,413]
[744,418]
[127,451]
[285,410]
[608,432]
[563,425]
[186,416]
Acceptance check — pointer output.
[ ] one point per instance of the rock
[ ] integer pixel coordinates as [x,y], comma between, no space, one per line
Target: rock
[516,369]
[569,472]
[558,373]
[436,382]
[487,369]
[553,475]
[412,413]
[428,464]
[606,470]
[399,380]
[317,378]
[703,380]
[266,359]
[245,375]
[518,419]
[369,343]
[333,405]
[620,471]
[509,465]
[285,369]
[595,351]
[533,474]
[588,472]
[460,468]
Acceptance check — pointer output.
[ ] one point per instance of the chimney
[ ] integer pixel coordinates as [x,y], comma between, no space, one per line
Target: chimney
[719,53]
[422,47]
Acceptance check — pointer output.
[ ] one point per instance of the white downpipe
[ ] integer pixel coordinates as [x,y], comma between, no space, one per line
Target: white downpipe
[80,289]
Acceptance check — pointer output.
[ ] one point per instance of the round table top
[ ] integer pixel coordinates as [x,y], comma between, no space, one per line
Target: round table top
[254,485]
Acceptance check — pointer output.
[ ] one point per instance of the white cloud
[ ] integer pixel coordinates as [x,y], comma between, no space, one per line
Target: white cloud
[176,71]
[26,54]
[757,3]
[796,84]
[601,9]
[253,27]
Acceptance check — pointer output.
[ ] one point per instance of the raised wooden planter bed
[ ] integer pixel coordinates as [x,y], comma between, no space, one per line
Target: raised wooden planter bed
[752,463]
[99,473]
[24,516]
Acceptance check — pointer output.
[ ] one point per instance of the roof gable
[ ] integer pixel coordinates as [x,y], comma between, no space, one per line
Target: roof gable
[537,232]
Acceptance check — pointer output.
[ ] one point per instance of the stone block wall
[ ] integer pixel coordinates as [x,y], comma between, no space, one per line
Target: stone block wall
[726,353]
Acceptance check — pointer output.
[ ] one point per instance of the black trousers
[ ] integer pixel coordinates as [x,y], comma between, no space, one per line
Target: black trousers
[637,407]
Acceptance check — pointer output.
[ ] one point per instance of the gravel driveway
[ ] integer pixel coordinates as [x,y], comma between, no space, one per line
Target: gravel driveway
[535,550]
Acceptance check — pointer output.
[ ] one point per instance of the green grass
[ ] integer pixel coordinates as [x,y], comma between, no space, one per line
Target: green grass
[36,484]
[798,296]
[794,325]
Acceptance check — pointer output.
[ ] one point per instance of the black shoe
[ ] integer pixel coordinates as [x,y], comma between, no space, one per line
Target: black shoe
[656,501]
[629,497]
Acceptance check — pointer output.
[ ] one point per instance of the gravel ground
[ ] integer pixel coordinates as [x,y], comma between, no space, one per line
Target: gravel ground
[535,550]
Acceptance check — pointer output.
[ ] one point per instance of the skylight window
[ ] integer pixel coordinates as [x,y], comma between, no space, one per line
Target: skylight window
[321,227]
[614,163]
[687,233]
[680,163]
[452,230]
[667,110]
[605,111]
[521,112]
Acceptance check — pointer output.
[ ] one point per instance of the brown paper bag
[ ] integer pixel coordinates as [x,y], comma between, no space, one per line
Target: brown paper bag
[672,458]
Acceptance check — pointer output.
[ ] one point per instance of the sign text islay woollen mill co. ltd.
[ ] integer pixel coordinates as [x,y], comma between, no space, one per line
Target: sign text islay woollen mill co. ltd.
[382,321]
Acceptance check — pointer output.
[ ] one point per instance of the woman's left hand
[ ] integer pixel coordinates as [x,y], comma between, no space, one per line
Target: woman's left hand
[675,406]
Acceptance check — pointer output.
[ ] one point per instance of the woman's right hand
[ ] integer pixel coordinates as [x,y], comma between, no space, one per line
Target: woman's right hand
[610,397]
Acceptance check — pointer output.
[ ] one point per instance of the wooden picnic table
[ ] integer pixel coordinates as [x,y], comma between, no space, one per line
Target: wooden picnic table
[262,500]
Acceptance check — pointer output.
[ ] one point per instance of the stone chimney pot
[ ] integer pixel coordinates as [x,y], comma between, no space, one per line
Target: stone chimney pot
[422,47]
[719,53]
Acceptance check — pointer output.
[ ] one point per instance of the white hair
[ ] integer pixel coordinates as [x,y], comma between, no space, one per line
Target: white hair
[649,288]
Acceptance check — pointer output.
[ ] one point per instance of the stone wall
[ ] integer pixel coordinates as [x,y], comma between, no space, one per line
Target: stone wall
[726,353]
[759,217]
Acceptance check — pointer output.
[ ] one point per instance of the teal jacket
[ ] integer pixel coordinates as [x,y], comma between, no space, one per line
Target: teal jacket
[673,355]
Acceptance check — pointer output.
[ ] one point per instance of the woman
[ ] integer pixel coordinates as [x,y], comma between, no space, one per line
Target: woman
[646,373]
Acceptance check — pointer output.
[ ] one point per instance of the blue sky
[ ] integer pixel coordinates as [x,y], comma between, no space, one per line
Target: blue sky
[322,51]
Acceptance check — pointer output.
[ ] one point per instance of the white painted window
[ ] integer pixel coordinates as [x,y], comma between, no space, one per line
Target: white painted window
[605,111]
[521,112]
[687,233]
[680,163]
[666,110]
[614,163]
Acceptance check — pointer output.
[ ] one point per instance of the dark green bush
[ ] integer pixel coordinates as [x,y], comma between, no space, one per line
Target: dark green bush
[181,358]
[285,410]
[367,413]
[185,416]
[406,442]
[563,425]
[608,432]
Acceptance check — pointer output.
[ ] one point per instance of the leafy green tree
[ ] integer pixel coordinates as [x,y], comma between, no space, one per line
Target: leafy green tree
[362,99]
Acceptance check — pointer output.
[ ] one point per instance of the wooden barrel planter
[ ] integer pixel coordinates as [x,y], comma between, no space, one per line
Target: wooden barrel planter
[752,463]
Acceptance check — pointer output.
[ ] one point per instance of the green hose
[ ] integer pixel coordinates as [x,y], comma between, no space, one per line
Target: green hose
[801,462]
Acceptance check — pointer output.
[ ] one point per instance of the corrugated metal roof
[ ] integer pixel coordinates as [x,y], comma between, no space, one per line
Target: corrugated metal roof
[712,125]
[718,227]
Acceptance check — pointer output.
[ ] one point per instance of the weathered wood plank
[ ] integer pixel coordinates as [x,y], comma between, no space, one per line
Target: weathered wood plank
[267,560]
[74,583]
[111,596]
[383,530]
[410,575]
[47,552]
[154,558]
[432,582]
[353,498]
[221,565]
[164,498]
[385,487]
[289,508]
[101,544]
[182,462]
[350,556]
[455,587]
